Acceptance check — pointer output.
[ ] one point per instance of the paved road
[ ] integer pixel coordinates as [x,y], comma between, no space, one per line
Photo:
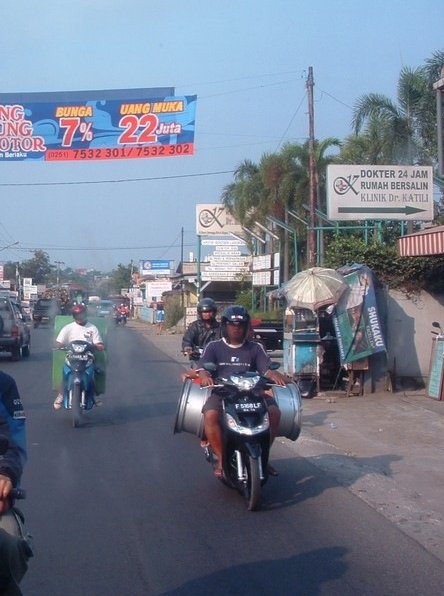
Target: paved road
[385,448]
[123,506]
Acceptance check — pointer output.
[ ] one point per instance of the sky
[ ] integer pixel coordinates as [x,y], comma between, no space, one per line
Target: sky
[246,60]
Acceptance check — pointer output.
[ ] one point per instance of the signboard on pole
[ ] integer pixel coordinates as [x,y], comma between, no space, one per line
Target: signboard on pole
[154,267]
[213,219]
[379,192]
[96,125]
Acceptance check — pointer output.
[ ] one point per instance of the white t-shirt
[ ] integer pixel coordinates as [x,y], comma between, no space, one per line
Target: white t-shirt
[73,331]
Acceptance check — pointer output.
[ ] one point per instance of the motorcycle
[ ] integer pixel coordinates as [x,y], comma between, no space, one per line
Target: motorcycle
[120,319]
[78,379]
[245,426]
[13,520]
[194,355]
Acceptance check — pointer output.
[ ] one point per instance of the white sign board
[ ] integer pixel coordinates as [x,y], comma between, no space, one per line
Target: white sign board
[379,192]
[215,219]
[261,262]
[261,278]
[155,289]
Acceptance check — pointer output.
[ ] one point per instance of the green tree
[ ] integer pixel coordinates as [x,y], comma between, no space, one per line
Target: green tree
[121,277]
[38,268]
[402,125]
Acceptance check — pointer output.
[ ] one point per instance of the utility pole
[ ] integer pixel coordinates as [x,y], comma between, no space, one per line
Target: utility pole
[182,281]
[311,172]
[439,88]
[58,263]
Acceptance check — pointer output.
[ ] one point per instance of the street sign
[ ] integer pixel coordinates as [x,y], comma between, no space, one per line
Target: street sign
[214,219]
[360,192]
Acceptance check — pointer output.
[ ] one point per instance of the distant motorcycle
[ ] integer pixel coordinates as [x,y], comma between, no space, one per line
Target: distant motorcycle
[78,379]
[120,318]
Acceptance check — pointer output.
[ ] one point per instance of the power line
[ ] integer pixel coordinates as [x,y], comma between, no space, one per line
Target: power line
[100,248]
[116,181]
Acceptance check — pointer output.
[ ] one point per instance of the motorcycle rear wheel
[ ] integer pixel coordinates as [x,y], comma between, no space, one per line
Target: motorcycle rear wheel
[252,490]
[76,410]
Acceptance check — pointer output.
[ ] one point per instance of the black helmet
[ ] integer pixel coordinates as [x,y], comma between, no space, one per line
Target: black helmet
[79,313]
[235,314]
[206,305]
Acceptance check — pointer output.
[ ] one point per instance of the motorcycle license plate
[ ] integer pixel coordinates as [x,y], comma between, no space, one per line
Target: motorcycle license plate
[248,407]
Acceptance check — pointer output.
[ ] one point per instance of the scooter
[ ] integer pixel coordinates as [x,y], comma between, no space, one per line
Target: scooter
[78,379]
[120,319]
[246,434]
[13,520]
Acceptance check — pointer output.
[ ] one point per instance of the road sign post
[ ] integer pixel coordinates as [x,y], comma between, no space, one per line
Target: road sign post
[362,192]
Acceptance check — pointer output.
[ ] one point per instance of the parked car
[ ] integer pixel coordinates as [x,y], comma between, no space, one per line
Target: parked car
[105,308]
[15,331]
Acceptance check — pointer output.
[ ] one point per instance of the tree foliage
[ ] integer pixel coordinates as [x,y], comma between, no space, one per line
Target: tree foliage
[120,278]
[38,268]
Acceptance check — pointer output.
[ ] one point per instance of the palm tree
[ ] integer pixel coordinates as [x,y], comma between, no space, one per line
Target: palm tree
[400,125]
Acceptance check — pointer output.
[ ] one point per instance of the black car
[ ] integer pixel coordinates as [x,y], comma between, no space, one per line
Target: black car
[44,311]
[15,332]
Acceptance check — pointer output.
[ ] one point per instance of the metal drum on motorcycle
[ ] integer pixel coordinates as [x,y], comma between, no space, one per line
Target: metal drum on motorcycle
[289,401]
[189,417]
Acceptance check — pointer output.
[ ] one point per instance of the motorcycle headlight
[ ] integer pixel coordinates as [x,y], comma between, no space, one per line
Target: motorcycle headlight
[243,430]
[77,348]
[245,383]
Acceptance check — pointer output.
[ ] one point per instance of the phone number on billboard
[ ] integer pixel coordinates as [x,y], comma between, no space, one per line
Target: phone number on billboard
[119,152]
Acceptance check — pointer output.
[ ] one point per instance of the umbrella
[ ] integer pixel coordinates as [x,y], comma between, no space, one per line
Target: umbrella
[313,288]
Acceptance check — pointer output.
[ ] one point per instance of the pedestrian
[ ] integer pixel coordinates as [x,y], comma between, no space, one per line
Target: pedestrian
[160,320]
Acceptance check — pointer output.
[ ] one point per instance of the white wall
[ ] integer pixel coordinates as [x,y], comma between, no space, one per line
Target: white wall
[409,337]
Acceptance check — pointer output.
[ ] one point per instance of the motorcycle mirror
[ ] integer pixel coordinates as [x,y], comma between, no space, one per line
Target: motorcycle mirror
[436,324]
[4,444]
[210,367]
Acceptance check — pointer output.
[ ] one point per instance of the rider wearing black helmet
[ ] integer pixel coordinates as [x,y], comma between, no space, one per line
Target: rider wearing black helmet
[202,331]
[234,352]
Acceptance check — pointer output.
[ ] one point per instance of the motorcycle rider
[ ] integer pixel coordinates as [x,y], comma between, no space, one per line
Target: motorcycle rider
[79,329]
[15,549]
[122,311]
[205,329]
[234,352]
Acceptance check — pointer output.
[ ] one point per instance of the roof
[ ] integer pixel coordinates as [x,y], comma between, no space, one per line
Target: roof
[424,243]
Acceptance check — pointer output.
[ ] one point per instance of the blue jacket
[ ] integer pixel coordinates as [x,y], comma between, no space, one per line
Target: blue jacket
[12,425]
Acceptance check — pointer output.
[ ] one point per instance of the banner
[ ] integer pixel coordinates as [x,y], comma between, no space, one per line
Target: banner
[154,267]
[356,321]
[44,127]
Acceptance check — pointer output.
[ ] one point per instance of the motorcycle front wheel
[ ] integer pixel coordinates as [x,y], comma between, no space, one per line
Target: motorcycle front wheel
[252,490]
[76,409]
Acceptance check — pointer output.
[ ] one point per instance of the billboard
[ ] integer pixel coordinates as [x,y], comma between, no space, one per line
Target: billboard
[356,321]
[379,192]
[96,125]
[154,267]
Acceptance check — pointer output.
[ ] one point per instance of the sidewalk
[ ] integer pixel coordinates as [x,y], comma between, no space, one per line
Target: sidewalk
[387,449]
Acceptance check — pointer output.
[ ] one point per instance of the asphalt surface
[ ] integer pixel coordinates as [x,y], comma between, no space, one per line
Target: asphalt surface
[386,448]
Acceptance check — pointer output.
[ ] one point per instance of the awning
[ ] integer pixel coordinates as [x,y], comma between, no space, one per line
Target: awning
[423,243]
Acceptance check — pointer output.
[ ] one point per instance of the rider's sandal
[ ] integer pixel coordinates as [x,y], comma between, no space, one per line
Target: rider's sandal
[219,473]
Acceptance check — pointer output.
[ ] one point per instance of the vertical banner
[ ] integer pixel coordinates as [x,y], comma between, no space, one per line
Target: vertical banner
[356,321]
